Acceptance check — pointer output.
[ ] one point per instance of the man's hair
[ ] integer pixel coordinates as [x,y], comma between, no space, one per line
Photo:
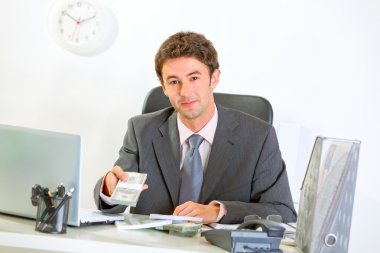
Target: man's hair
[187,44]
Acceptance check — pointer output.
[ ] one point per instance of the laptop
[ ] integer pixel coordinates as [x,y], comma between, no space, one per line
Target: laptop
[49,159]
[327,196]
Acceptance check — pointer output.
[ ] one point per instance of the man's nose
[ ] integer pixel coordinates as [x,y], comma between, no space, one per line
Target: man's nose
[185,88]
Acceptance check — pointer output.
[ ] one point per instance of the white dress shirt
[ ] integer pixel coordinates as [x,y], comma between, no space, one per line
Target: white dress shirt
[208,133]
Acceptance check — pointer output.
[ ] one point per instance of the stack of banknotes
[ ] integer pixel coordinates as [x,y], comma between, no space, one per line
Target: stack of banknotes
[185,229]
[176,225]
[127,193]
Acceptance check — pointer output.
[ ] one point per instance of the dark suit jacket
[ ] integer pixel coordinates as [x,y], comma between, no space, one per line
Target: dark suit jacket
[245,170]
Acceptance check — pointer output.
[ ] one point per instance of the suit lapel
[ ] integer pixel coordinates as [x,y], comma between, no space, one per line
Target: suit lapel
[221,151]
[167,149]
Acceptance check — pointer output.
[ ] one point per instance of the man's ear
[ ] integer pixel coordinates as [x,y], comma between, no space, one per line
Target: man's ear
[214,79]
[164,89]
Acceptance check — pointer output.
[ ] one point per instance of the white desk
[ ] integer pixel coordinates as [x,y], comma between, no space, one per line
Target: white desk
[17,235]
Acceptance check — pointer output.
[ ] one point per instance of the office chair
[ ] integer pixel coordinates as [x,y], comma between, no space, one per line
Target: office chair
[253,105]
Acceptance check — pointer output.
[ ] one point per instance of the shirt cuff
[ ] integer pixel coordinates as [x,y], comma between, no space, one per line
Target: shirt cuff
[222,209]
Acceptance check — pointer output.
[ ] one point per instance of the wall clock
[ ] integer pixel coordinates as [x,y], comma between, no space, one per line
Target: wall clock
[83,27]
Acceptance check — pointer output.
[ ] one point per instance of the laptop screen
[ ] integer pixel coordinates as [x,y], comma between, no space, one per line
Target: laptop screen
[32,156]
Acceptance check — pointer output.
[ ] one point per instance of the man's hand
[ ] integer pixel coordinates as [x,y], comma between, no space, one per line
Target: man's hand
[111,179]
[209,213]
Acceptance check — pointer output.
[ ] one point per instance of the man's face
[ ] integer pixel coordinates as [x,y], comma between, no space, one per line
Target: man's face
[187,83]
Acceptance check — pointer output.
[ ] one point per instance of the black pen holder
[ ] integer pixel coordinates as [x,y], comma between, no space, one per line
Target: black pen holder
[51,215]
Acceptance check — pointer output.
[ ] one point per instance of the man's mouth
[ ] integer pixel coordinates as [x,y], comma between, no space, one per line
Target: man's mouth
[188,102]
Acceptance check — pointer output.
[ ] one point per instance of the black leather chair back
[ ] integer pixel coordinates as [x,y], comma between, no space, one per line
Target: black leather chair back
[254,105]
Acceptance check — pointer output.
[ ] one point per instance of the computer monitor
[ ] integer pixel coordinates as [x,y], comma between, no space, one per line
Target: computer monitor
[327,196]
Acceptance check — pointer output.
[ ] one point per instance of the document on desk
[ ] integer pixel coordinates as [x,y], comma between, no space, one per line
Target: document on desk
[175,218]
[127,193]
[223,226]
[139,221]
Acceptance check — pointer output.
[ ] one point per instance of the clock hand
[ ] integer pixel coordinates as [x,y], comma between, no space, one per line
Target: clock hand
[67,14]
[73,35]
[86,19]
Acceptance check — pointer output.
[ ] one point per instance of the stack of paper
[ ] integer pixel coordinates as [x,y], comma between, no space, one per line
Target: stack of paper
[138,221]
[175,218]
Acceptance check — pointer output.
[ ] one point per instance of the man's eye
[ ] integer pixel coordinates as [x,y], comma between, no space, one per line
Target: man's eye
[193,78]
[173,82]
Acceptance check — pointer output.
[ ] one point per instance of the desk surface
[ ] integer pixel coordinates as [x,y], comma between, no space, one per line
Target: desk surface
[17,235]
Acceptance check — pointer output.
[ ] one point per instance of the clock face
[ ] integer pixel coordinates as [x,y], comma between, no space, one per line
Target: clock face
[78,23]
[83,27]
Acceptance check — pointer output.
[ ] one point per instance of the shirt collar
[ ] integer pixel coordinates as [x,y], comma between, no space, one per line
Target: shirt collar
[207,132]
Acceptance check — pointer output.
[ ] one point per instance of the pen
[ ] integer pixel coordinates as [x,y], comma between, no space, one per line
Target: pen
[47,197]
[47,210]
[56,210]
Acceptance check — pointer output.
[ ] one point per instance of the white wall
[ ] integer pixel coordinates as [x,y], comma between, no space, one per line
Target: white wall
[318,62]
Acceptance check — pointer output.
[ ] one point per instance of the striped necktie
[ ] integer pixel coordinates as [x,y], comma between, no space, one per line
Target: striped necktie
[192,171]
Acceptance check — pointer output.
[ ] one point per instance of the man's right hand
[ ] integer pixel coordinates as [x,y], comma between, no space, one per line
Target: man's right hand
[111,179]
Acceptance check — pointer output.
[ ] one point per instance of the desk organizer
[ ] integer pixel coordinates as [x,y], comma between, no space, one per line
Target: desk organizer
[52,214]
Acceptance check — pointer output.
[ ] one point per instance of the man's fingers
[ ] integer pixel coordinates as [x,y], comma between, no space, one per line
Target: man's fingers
[208,213]
[112,178]
[184,209]
[119,173]
[179,209]
[188,211]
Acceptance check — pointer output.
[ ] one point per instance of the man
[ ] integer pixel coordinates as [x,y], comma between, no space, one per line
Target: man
[243,172]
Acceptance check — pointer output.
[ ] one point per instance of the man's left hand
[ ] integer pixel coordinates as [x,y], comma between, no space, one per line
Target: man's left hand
[209,213]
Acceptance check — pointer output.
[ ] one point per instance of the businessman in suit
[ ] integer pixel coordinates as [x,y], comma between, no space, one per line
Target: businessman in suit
[243,172]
